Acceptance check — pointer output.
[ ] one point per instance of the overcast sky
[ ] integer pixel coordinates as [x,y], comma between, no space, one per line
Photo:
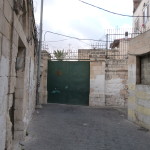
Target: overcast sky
[73,18]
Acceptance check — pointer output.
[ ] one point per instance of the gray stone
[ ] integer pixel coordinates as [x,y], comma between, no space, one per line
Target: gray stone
[8,11]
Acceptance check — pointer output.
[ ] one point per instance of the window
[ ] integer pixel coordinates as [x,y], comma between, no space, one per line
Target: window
[143,69]
[145,13]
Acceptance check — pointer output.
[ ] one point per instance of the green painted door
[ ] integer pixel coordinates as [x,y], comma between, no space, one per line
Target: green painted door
[68,82]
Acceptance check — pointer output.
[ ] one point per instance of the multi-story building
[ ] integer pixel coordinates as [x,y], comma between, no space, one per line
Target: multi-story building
[141,21]
[139,68]
[17,70]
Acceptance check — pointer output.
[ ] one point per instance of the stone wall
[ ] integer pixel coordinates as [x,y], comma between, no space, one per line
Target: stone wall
[97,83]
[139,92]
[17,71]
[116,82]
[108,80]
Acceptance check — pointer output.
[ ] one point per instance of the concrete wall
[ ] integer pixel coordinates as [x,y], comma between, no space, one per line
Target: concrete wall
[140,44]
[17,71]
[139,93]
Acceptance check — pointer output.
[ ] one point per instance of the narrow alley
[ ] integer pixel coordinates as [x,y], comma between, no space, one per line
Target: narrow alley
[66,127]
[74,75]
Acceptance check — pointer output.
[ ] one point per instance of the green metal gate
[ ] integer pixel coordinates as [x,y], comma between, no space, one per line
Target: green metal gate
[68,82]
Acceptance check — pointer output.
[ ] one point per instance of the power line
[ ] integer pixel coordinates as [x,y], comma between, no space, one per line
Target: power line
[124,15]
[65,40]
[57,41]
[84,43]
[75,37]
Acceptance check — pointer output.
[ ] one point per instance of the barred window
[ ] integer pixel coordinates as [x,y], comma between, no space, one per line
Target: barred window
[143,69]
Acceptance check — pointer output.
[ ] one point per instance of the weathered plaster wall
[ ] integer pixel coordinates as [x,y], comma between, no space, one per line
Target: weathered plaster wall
[5,26]
[139,94]
[116,82]
[97,83]
[17,73]
[108,80]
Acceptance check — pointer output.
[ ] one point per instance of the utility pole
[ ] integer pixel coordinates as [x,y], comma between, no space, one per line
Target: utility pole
[106,41]
[39,55]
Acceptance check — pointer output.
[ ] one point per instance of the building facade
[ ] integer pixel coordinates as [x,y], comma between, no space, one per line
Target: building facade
[139,75]
[141,10]
[18,44]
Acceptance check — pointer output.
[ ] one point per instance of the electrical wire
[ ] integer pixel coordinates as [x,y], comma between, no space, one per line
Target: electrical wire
[57,41]
[65,40]
[75,37]
[84,43]
[124,15]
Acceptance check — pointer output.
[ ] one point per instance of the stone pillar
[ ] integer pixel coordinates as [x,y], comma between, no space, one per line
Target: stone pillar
[97,78]
[44,68]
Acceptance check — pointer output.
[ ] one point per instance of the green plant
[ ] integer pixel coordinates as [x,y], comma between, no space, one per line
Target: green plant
[60,54]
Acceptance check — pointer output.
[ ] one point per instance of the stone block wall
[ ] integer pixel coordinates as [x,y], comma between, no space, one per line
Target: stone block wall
[17,72]
[139,90]
[108,80]
[116,82]
[97,83]
[5,44]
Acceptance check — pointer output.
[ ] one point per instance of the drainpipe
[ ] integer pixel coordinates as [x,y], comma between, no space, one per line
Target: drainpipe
[39,57]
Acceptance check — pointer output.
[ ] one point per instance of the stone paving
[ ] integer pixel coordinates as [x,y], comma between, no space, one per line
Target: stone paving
[63,127]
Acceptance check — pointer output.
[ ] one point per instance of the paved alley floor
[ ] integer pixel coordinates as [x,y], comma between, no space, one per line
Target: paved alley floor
[62,127]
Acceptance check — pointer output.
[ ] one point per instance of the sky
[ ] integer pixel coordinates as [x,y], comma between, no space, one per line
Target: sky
[74,18]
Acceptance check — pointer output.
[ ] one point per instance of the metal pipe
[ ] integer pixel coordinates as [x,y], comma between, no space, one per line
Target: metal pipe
[107,41]
[45,34]
[39,54]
